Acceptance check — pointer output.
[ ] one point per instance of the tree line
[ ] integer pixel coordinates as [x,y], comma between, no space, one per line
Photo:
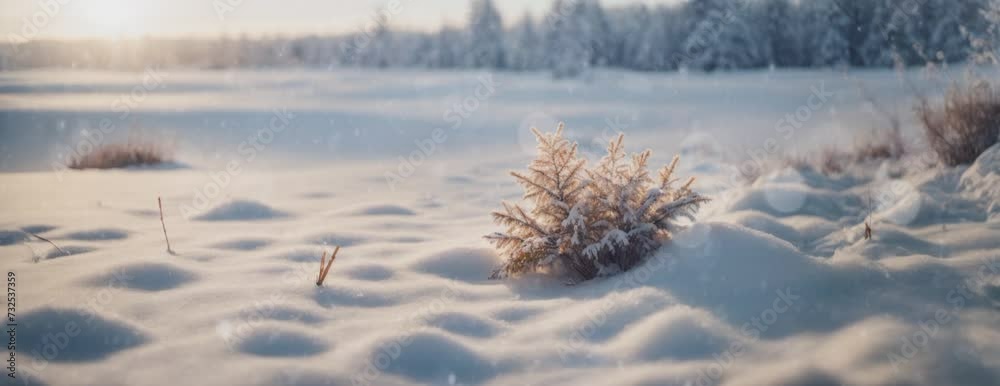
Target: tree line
[576,35]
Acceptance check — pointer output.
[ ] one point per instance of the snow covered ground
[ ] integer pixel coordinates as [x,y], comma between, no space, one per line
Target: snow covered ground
[774,285]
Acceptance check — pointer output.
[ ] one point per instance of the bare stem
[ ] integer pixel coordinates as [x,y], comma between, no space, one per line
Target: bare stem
[159,200]
[323,271]
[50,242]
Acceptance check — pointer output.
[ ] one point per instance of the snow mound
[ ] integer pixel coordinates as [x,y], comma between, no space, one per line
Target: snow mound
[678,333]
[614,313]
[381,210]
[300,255]
[787,199]
[283,313]
[741,255]
[103,234]
[343,240]
[431,358]
[466,264]
[987,165]
[13,237]
[244,244]
[149,277]
[68,335]
[241,210]
[38,228]
[68,250]
[464,324]
[762,222]
[339,295]
[518,311]
[700,145]
[281,342]
[891,242]
[370,272]
[982,180]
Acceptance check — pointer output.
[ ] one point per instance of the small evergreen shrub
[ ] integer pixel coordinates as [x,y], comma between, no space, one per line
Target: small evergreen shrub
[966,124]
[589,222]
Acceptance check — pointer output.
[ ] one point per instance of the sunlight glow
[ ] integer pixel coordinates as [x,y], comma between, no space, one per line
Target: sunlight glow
[115,18]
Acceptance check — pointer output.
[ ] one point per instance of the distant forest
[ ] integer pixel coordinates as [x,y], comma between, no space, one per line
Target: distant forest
[575,35]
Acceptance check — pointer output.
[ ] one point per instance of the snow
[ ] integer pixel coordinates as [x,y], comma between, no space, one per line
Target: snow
[240,210]
[982,180]
[773,284]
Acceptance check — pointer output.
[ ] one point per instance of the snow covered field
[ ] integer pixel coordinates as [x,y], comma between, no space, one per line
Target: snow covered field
[774,285]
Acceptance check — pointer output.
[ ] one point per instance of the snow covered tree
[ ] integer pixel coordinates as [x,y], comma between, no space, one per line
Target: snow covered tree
[598,32]
[634,35]
[880,47]
[705,19]
[590,227]
[854,25]
[634,214]
[946,43]
[992,41]
[833,46]
[567,39]
[448,48]
[984,35]
[778,29]
[917,24]
[658,40]
[723,40]
[486,36]
[375,48]
[550,232]
[526,52]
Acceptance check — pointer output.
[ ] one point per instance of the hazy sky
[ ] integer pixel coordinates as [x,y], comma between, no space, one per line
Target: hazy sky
[110,18]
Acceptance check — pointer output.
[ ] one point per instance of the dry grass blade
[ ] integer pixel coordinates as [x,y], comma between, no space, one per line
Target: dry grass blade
[159,201]
[322,263]
[324,266]
[50,242]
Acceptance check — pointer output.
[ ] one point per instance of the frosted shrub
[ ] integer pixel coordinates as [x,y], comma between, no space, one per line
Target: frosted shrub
[965,125]
[553,230]
[593,222]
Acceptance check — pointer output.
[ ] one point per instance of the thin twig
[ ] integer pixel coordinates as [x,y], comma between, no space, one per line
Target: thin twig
[868,228]
[322,263]
[48,241]
[326,270]
[159,200]
[330,263]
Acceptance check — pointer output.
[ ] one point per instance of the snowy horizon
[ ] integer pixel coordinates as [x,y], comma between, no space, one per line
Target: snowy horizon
[123,19]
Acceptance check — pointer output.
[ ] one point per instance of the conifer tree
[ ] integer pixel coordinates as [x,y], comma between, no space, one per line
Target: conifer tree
[636,214]
[486,36]
[602,224]
[554,186]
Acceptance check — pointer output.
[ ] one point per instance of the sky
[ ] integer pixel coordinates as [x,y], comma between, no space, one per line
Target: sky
[30,19]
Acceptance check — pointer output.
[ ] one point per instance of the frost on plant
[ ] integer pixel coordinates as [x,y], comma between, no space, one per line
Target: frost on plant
[554,228]
[589,222]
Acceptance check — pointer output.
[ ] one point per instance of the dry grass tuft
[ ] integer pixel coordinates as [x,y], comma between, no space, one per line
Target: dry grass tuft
[887,144]
[965,125]
[116,156]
